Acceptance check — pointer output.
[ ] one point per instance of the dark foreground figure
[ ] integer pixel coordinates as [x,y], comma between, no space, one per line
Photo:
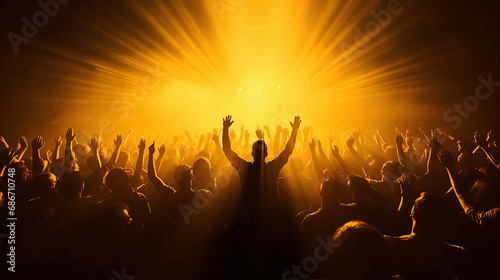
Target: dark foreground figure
[291,206]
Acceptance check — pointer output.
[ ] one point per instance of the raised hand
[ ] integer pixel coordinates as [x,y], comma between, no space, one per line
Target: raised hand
[296,123]
[399,139]
[405,184]
[227,122]
[48,154]
[319,145]
[37,143]
[259,134]
[58,141]
[215,138]
[232,134]
[446,159]
[491,136]
[312,144]
[142,145]
[70,136]
[356,134]
[118,140]
[94,145]
[335,151]
[480,140]
[162,149]
[23,142]
[247,135]
[409,141]
[152,149]
[350,142]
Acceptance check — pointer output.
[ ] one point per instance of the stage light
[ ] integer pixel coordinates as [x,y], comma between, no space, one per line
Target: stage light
[297,43]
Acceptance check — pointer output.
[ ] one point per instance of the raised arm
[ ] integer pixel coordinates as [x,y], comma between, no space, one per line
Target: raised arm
[432,160]
[324,159]
[58,143]
[201,140]
[161,154]
[449,162]
[424,133]
[217,157]
[138,165]
[6,157]
[116,152]
[340,160]
[482,143]
[162,188]
[293,137]
[380,137]
[36,145]
[408,195]
[316,163]
[23,147]
[95,147]
[367,169]
[488,218]
[125,140]
[226,142]
[69,156]
[401,154]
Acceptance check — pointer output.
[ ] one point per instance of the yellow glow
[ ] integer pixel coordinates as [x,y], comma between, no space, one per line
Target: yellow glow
[263,62]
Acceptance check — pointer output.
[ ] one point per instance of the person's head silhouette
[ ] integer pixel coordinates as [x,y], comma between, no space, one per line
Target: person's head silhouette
[183,176]
[431,215]
[118,181]
[259,151]
[329,192]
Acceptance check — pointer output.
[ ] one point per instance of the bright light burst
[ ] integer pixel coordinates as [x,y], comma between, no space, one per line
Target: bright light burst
[261,61]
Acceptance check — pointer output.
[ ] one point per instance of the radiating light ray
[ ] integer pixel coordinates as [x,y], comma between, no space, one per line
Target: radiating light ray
[202,61]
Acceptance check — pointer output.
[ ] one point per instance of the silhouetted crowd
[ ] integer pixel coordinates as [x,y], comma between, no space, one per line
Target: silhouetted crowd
[283,203]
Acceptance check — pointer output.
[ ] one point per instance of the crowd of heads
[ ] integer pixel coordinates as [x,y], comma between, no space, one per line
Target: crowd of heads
[391,205]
